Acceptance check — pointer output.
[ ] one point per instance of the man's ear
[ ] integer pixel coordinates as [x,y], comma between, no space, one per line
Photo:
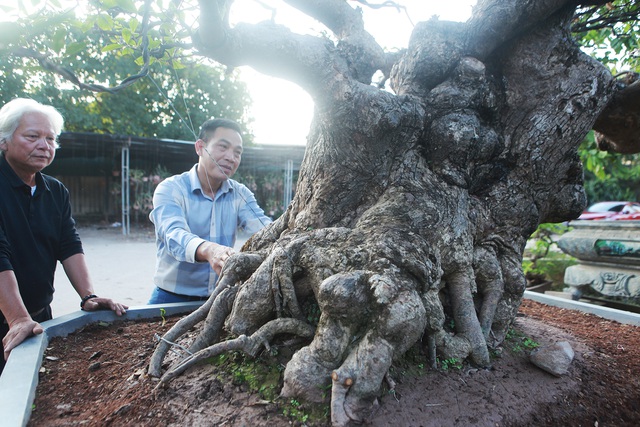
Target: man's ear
[198,145]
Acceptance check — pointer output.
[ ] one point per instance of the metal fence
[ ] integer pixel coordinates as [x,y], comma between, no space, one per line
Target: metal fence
[96,168]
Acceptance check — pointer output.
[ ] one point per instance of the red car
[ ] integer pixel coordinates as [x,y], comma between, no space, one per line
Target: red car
[612,211]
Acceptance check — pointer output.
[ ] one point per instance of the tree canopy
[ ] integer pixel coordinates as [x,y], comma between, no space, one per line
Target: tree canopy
[51,51]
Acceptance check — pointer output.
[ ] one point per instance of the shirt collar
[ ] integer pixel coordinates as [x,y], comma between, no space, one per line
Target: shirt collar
[225,187]
[15,181]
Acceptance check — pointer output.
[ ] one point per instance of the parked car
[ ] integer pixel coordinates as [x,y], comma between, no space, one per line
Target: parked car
[612,211]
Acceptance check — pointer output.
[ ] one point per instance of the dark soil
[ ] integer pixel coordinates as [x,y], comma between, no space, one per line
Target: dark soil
[96,377]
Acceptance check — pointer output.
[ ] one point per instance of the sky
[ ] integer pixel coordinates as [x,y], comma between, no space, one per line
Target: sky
[281,110]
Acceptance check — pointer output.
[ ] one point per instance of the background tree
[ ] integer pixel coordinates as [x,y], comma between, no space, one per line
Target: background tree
[413,205]
[164,102]
[609,33]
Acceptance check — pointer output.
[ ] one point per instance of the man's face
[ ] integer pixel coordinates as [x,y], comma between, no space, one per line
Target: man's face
[225,146]
[32,146]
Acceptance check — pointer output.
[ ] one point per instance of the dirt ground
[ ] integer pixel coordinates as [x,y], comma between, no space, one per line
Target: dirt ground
[95,377]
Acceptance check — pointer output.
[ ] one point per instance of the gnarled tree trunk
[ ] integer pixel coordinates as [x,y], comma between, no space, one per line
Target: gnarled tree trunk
[413,207]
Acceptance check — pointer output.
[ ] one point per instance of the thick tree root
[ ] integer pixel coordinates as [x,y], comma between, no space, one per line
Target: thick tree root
[339,390]
[467,323]
[249,345]
[213,325]
[237,268]
[490,284]
[183,325]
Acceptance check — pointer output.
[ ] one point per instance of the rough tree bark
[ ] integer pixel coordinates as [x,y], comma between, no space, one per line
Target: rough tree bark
[412,207]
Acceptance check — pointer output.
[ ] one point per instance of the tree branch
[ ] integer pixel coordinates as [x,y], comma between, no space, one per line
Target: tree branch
[49,65]
[363,53]
[495,21]
[618,126]
[596,17]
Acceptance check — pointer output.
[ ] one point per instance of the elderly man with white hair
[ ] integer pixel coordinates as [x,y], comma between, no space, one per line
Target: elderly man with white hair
[36,226]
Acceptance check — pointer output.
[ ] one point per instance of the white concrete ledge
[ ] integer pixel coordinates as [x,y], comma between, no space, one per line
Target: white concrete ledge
[20,377]
[604,312]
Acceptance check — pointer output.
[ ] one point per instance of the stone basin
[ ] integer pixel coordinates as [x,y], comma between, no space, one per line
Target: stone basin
[608,254]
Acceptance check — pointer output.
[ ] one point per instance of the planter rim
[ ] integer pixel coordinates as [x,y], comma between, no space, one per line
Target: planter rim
[603,223]
[19,380]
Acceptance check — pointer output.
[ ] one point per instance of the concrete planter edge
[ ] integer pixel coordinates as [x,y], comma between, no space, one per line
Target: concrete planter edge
[20,377]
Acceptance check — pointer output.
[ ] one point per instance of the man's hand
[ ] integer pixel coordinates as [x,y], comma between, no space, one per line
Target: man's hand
[94,304]
[19,330]
[216,255]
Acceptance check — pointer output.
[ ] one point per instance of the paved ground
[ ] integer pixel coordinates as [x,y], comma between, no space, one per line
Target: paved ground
[121,267]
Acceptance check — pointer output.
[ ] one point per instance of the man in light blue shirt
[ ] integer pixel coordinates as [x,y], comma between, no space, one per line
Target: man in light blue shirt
[197,214]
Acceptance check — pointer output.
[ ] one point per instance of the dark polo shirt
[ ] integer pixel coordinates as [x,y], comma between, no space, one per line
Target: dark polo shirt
[35,232]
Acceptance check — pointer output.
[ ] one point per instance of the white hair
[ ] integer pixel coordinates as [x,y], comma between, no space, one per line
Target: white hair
[12,112]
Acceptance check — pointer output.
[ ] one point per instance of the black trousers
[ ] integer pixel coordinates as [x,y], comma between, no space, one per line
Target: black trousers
[40,316]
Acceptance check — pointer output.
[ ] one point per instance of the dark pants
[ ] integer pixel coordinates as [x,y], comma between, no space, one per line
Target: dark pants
[40,317]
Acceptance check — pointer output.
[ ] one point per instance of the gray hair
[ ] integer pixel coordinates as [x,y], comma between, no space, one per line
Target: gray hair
[11,114]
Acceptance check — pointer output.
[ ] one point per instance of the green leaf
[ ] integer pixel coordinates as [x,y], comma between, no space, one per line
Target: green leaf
[110,47]
[88,23]
[177,65]
[58,39]
[133,24]
[126,35]
[153,43]
[104,22]
[73,48]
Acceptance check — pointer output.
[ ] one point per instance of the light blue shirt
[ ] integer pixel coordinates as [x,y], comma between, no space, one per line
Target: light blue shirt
[185,217]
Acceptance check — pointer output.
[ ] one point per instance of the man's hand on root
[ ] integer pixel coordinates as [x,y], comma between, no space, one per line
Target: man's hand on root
[216,255]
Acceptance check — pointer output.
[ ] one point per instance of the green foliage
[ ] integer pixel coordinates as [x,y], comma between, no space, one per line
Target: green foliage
[544,238]
[609,176]
[311,310]
[518,342]
[450,364]
[303,413]
[167,95]
[295,411]
[163,312]
[541,262]
[142,185]
[611,33]
[268,189]
[263,375]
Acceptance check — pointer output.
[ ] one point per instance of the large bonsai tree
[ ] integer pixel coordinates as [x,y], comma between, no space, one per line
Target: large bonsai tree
[413,205]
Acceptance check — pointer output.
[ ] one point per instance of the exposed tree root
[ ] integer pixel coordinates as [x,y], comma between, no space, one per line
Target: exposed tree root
[248,344]
[339,389]
[214,323]
[237,268]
